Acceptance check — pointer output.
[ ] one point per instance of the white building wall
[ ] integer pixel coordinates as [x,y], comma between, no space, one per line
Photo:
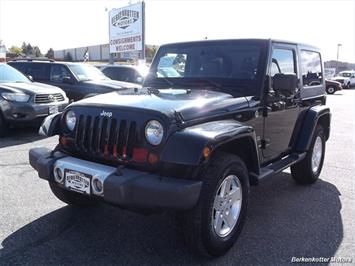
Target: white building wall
[96,53]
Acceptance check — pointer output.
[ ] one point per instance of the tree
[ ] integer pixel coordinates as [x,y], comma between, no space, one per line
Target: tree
[29,49]
[68,57]
[50,53]
[23,47]
[37,51]
[150,52]
[15,50]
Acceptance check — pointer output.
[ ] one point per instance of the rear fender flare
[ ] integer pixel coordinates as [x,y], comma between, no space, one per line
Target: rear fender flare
[314,116]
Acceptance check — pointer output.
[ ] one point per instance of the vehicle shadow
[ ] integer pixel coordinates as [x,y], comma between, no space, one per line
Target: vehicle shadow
[18,136]
[285,220]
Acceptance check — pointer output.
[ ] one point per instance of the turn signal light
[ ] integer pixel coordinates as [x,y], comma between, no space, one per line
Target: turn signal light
[206,152]
[153,158]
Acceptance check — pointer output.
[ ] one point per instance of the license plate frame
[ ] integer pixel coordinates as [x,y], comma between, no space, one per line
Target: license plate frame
[77,181]
[53,109]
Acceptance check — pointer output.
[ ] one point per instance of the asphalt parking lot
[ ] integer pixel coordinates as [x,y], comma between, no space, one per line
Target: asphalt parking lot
[285,220]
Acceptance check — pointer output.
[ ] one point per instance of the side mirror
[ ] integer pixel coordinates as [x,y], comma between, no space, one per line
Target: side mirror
[30,77]
[68,80]
[50,126]
[284,82]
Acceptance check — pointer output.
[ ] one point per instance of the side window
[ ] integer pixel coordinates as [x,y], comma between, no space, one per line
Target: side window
[283,62]
[58,72]
[311,68]
[109,71]
[131,75]
[37,71]
[172,65]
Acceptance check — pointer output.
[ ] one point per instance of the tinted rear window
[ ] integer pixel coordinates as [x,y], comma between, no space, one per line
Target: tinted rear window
[311,68]
[39,72]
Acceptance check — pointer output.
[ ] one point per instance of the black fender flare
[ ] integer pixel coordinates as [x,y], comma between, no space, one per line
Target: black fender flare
[316,114]
[186,146]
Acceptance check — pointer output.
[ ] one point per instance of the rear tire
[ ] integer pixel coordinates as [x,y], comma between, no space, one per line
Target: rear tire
[71,198]
[308,170]
[214,224]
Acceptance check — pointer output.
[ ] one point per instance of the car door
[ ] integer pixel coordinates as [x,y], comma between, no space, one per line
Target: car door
[282,106]
[352,79]
[38,71]
[60,76]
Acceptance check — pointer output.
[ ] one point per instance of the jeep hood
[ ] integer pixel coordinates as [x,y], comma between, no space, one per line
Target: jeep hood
[188,104]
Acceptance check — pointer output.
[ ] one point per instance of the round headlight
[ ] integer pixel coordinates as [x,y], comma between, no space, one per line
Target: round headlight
[70,120]
[154,132]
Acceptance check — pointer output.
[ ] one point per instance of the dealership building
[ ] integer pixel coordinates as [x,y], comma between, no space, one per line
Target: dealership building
[97,53]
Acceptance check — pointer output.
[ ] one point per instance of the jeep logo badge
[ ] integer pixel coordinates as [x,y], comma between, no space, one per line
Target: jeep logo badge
[104,113]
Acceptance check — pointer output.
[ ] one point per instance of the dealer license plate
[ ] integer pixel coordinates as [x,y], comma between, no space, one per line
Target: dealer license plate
[77,181]
[53,109]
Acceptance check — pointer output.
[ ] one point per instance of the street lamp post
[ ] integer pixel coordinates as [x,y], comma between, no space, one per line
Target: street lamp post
[336,68]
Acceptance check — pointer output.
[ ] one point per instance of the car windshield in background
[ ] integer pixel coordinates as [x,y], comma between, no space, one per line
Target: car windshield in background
[208,60]
[87,72]
[9,74]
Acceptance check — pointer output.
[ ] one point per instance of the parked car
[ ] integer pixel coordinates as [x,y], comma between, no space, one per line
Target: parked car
[346,78]
[78,80]
[127,73]
[240,111]
[25,102]
[331,86]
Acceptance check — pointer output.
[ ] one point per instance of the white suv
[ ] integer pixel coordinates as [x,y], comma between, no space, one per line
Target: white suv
[346,78]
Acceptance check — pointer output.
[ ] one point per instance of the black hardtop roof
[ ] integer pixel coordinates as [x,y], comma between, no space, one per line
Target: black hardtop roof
[256,40]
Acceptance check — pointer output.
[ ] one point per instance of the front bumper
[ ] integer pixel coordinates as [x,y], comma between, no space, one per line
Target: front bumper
[17,112]
[129,188]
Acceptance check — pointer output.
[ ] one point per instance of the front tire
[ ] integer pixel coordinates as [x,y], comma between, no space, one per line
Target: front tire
[71,198]
[214,224]
[308,170]
[330,90]
[3,127]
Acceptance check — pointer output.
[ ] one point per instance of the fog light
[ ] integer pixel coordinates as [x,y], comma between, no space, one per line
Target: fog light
[97,186]
[58,175]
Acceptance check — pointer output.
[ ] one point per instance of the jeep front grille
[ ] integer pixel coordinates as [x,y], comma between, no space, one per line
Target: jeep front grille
[105,137]
[49,98]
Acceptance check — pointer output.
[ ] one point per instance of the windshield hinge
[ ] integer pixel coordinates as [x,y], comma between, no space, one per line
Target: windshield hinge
[179,118]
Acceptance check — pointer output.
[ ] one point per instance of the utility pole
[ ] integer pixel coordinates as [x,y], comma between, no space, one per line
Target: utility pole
[336,68]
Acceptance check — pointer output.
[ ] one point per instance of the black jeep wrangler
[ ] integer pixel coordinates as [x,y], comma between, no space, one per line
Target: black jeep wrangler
[212,118]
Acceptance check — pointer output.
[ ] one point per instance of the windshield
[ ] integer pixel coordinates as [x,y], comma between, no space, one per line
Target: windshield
[9,74]
[87,72]
[213,63]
